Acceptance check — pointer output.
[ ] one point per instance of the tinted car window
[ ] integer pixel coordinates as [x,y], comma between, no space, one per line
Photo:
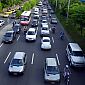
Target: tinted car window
[52,70]
[77,53]
[8,34]
[16,62]
[31,33]
[45,40]
[44,28]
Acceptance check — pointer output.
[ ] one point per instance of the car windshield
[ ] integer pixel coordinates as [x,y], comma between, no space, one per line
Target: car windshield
[16,62]
[31,33]
[24,19]
[52,70]
[77,53]
[44,21]
[44,28]
[45,40]
[8,34]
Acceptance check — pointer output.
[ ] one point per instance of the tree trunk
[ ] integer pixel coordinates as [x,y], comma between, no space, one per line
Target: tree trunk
[81,28]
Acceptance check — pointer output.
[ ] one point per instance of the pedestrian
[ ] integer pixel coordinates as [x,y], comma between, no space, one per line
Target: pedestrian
[13,24]
[25,30]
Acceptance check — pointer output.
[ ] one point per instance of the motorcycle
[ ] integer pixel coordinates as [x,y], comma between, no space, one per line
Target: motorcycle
[61,35]
[53,30]
[67,78]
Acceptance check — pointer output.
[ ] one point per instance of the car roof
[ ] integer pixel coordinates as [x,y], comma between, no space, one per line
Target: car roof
[75,47]
[46,38]
[51,62]
[19,55]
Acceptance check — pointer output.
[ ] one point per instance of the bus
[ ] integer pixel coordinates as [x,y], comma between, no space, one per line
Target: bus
[25,18]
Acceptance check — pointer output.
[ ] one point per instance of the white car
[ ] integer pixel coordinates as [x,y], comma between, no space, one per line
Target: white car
[18,63]
[45,43]
[45,11]
[44,22]
[36,16]
[2,22]
[45,30]
[31,34]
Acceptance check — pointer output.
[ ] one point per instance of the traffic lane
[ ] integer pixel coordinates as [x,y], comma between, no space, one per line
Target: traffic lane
[21,80]
[61,46]
[30,76]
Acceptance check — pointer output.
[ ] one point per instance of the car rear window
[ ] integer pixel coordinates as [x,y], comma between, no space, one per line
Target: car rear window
[31,33]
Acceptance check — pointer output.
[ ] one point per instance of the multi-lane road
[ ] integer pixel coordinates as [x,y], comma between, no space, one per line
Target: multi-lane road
[33,74]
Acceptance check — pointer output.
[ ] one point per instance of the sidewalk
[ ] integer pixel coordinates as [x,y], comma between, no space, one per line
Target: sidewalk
[3,31]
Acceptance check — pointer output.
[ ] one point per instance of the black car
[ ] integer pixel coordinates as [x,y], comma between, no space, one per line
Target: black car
[34,23]
[9,37]
[53,21]
[17,28]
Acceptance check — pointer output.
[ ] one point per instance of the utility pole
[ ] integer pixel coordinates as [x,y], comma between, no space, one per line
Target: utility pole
[68,8]
[56,3]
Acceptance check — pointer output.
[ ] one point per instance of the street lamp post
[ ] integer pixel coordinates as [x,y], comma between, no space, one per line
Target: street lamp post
[56,3]
[68,8]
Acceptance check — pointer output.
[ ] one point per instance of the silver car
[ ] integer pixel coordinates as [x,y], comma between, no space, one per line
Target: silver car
[51,70]
[18,63]
[75,55]
[45,43]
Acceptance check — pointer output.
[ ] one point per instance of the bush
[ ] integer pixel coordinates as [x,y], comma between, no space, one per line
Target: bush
[18,14]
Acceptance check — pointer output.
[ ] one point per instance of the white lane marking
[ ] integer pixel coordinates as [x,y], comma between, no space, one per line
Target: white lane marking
[1,45]
[57,59]
[53,39]
[7,57]
[32,58]
[18,37]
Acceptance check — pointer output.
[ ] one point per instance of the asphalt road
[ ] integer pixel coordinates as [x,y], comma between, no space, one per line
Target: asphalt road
[33,74]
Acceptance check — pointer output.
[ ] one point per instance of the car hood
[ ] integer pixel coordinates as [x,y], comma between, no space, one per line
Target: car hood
[78,59]
[54,77]
[7,38]
[15,68]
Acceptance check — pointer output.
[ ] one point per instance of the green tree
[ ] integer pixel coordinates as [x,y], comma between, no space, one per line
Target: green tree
[77,14]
